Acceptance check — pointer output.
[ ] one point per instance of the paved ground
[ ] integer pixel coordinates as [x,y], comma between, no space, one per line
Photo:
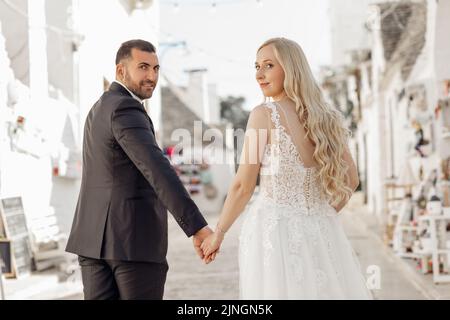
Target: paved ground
[189,278]
[401,278]
[371,251]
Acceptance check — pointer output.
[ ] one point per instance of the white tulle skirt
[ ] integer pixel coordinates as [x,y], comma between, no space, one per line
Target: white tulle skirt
[286,253]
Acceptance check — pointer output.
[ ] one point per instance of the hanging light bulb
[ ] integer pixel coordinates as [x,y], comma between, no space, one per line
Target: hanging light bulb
[213,7]
[139,4]
[176,7]
[186,52]
[169,38]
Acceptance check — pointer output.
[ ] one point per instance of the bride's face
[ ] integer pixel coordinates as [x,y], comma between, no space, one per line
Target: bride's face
[269,73]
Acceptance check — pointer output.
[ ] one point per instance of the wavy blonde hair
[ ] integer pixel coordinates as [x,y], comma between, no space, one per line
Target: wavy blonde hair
[324,123]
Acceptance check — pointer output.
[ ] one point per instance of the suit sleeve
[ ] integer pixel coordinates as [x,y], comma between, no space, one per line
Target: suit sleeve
[132,129]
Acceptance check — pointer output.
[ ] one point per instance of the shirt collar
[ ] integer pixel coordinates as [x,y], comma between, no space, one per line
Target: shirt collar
[132,94]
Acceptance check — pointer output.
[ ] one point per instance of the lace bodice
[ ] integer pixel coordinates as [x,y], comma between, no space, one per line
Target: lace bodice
[285,181]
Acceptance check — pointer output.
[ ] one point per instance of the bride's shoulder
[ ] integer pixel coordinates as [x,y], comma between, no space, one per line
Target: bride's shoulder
[260,115]
[262,109]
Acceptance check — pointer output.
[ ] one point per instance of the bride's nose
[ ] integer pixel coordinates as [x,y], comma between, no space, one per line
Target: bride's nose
[259,75]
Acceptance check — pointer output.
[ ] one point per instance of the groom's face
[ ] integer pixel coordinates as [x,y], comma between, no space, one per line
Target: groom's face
[140,73]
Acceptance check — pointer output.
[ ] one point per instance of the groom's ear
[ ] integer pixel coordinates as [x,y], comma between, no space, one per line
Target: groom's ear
[120,70]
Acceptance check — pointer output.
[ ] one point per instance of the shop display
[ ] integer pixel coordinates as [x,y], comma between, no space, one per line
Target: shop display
[419,218]
[434,243]
[197,178]
[420,140]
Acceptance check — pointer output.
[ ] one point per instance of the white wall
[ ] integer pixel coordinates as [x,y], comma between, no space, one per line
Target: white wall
[37,49]
[347,18]
[15,31]
[59,47]
[371,126]
[64,200]
[214,104]
[197,93]
[377,133]
[442,49]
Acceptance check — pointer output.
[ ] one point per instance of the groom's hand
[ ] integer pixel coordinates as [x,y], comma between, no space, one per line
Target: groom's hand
[211,246]
[198,238]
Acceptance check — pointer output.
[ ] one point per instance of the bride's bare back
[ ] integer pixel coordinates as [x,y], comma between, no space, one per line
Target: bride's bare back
[290,121]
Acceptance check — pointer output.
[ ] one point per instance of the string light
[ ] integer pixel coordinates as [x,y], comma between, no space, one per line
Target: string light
[213,7]
[139,4]
[176,7]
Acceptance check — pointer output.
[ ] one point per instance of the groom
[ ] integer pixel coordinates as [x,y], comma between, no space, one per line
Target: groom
[119,230]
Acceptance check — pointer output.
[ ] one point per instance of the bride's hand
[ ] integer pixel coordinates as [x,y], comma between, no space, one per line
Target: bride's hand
[211,257]
[210,245]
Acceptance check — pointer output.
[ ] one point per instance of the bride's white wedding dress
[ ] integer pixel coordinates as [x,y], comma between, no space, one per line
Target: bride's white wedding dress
[292,244]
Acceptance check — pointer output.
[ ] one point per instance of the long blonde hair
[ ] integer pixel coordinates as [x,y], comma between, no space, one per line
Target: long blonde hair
[324,123]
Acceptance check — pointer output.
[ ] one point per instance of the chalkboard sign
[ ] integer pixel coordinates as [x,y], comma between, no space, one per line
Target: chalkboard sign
[6,258]
[16,230]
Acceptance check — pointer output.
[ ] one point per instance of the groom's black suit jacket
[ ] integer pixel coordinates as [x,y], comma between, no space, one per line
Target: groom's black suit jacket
[127,186]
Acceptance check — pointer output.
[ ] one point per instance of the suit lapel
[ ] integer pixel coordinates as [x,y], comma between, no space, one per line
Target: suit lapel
[151,124]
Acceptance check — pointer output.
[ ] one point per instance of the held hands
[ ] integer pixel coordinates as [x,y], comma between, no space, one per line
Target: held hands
[198,238]
[211,245]
[207,243]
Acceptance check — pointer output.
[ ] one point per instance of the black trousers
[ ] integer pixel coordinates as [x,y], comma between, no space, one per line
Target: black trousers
[122,280]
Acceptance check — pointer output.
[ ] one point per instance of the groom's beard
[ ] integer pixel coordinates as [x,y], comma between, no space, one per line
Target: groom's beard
[143,89]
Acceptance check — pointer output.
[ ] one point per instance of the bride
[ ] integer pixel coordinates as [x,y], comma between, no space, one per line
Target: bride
[292,244]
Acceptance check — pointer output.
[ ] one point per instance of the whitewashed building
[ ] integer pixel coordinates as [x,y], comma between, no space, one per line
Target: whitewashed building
[56,59]
[403,77]
[348,21]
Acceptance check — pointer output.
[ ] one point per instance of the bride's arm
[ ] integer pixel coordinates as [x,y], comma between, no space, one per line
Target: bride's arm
[244,182]
[352,177]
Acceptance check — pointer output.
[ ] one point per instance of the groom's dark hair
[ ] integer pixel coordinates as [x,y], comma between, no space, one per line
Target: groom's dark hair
[124,51]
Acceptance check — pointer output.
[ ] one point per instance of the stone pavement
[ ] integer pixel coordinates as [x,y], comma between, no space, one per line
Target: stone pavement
[394,283]
[45,285]
[190,278]
[400,278]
